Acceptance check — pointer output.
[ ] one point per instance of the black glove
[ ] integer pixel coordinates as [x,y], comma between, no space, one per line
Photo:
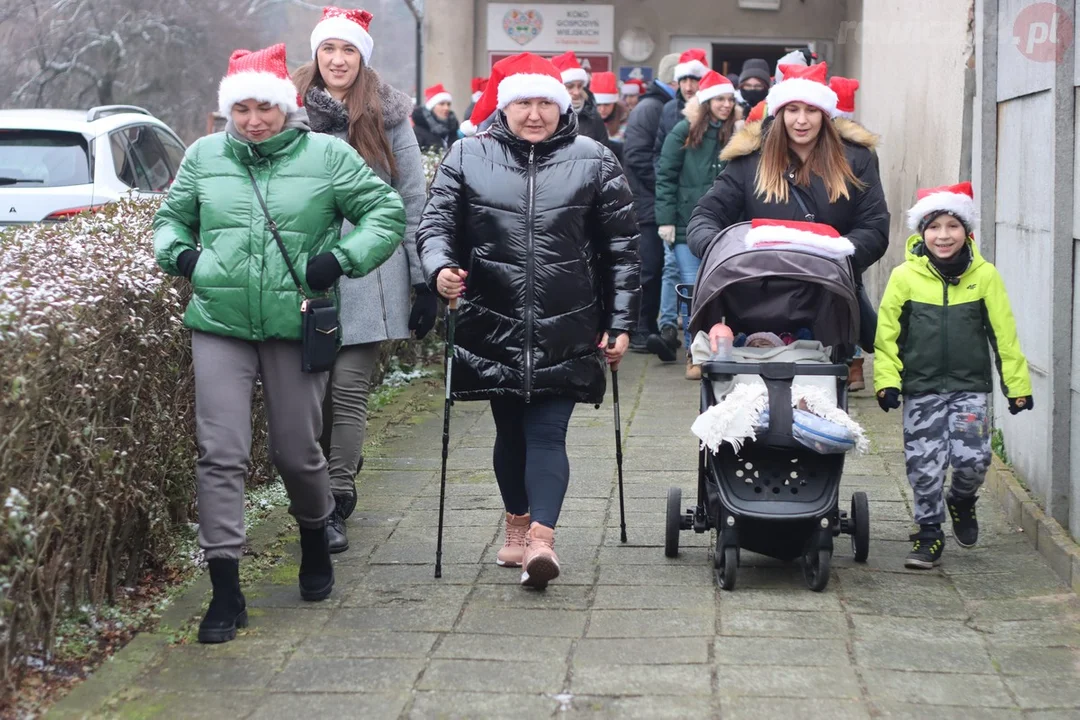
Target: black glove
[889,399]
[425,309]
[186,261]
[323,270]
[1020,404]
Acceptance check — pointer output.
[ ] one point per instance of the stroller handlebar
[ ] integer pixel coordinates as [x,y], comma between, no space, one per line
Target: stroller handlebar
[772,370]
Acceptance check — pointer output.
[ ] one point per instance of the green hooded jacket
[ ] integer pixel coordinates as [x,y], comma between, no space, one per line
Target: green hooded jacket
[241,286]
[684,174]
[934,337]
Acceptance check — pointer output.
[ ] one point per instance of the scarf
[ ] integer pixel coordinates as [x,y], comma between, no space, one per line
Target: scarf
[955,266]
[437,127]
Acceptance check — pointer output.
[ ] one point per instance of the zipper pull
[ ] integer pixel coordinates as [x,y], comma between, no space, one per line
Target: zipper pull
[532,153]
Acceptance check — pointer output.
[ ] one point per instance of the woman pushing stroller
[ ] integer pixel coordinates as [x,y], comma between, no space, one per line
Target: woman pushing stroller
[800,164]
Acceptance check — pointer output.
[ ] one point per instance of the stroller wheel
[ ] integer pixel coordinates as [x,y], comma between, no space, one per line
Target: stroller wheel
[674,522]
[726,564]
[860,526]
[816,568]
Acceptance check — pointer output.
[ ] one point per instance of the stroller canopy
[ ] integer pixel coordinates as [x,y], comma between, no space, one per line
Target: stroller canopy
[774,290]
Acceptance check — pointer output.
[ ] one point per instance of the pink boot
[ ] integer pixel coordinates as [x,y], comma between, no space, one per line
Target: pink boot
[513,550]
[541,563]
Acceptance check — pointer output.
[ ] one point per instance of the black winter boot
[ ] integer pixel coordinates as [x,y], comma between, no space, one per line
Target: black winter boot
[926,548]
[316,569]
[227,610]
[965,524]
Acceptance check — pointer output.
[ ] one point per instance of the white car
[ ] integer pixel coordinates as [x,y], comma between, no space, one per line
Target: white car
[57,163]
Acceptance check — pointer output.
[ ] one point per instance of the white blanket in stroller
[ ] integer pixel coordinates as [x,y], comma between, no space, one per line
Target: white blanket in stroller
[737,417]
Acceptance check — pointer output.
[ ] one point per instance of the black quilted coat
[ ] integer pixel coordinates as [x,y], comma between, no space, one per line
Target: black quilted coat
[548,235]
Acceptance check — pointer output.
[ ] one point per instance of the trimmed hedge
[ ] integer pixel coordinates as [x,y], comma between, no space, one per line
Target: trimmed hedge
[96,419]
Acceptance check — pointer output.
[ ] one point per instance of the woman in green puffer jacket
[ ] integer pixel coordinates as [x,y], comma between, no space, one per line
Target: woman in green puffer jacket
[689,164]
[245,308]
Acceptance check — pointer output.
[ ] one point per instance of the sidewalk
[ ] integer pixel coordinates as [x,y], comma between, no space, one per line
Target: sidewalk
[625,632]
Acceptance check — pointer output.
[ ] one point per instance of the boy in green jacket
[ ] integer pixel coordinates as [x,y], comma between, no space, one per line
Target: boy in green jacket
[941,310]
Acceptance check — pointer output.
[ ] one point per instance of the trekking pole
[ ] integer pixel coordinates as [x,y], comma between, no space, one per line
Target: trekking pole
[451,321]
[618,444]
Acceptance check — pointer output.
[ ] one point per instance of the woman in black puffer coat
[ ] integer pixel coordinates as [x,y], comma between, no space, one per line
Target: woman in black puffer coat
[538,223]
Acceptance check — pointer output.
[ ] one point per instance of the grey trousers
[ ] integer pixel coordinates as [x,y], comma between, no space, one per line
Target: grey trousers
[225,372]
[942,430]
[345,413]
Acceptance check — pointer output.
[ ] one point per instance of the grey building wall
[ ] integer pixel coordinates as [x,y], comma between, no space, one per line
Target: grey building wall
[1027,128]
[676,25]
[910,57]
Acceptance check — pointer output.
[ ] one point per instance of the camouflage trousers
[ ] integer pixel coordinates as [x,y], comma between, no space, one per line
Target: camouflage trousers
[942,430]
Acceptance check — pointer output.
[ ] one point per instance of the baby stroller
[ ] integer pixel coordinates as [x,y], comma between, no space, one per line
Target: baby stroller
[773,496]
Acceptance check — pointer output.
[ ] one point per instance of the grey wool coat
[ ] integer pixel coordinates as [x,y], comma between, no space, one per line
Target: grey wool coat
[376,307]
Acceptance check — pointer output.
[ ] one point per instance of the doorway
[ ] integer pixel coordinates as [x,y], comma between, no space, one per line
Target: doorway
[728,58]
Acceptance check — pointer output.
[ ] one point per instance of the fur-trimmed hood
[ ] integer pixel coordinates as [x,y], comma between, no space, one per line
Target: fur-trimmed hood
[328,115]
[748,140]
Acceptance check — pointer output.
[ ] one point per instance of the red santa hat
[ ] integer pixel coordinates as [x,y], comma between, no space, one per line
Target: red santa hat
[845,93]
[758,112]
[605,88]
[571,69]
[436,94]
[713,85]
[817,238]
[803,84]
[956,200]
[478,85]
[350,25]
[633,86]
[261,75]
[521,77]
[692,63]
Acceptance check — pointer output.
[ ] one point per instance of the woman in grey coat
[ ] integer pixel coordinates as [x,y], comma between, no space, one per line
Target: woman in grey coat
[345,97]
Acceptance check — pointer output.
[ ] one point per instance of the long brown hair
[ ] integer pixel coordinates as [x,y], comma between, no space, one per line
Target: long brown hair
[367,132]
[699,125]
[827,160]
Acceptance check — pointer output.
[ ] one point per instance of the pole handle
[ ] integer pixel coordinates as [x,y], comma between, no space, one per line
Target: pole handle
[453,304]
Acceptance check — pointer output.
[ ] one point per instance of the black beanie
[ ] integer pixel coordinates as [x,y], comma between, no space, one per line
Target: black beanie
[755,68]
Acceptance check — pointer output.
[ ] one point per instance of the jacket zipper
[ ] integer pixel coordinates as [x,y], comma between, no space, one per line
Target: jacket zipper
[945,331]
[529,271]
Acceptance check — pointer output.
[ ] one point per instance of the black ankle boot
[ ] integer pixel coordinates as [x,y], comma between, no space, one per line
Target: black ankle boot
[344,504]
[316,569]
[227,610]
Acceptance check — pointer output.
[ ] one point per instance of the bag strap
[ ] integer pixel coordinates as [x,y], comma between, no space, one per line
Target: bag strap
[799,198]
[277,236]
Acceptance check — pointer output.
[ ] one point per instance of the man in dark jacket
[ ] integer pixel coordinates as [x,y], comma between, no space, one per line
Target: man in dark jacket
[640,168]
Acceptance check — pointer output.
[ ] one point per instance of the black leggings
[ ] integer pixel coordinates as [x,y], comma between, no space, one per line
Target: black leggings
[530,455]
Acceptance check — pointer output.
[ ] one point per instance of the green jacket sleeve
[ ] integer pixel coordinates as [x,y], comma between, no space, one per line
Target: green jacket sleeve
[667,174]
[176,224]
[887,364]
[1012,365]
[368,203]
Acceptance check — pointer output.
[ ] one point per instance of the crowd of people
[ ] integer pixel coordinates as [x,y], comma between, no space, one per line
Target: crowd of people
[316,189]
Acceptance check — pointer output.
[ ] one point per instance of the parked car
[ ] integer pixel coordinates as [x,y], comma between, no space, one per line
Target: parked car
[57,163]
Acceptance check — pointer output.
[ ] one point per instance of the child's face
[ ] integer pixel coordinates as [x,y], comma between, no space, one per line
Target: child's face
[944,236]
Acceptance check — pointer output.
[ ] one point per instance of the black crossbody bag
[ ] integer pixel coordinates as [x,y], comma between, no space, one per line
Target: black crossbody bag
[318,315]
[867,314]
